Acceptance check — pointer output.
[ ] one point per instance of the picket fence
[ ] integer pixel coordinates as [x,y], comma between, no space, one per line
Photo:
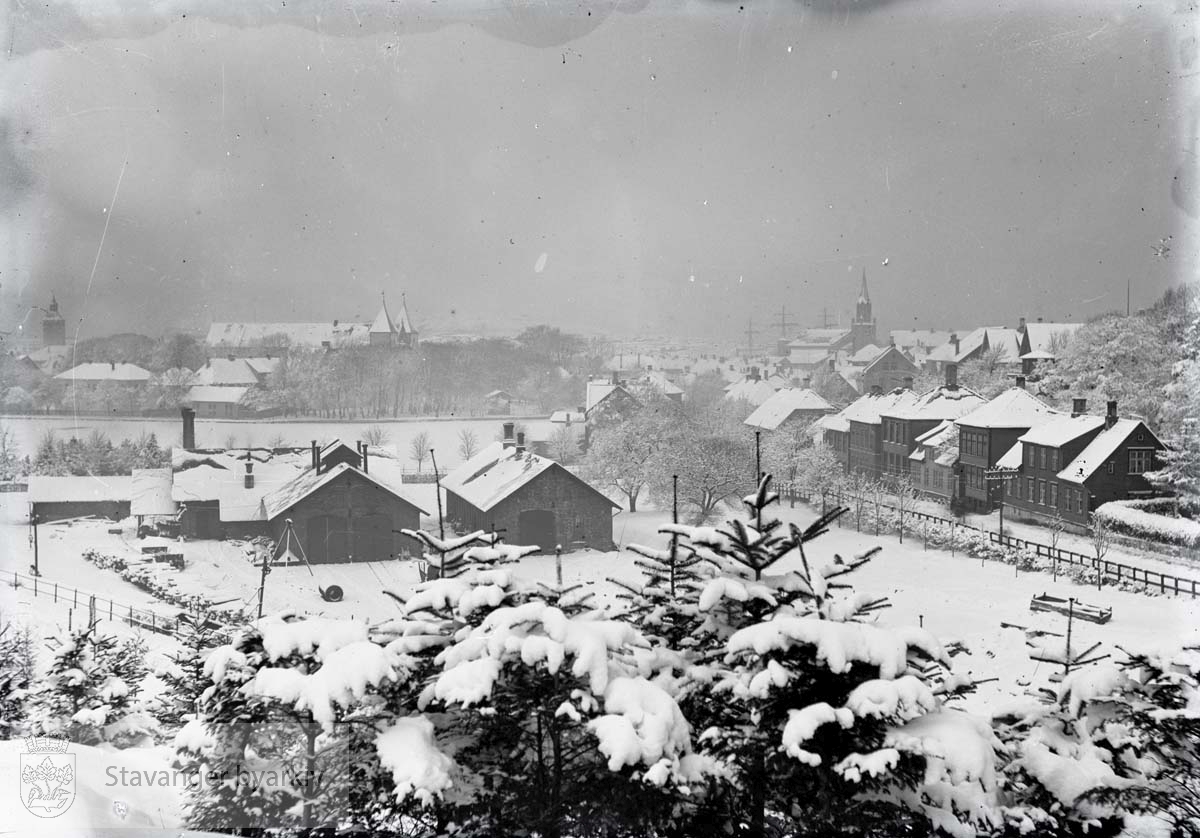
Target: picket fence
[96,606]
[1106,570]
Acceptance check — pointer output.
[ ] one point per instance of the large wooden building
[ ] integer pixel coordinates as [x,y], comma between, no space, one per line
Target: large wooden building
[533,499]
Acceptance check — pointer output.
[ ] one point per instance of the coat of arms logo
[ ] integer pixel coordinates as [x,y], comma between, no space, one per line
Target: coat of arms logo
[47,776]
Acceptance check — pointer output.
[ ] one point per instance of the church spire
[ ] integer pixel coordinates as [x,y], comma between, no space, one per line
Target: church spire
[863,296]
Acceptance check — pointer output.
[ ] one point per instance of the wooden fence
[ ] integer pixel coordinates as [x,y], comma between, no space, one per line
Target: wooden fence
[1106,570]
[96,606]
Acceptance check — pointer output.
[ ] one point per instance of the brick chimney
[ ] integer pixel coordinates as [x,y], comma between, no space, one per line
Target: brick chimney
[952,376]
[833,364]
[616,378]
[248,480]
[1110,415]
[509,439]
[1021,381]
[363,453]
[954,343]
[1021,325]
[316,457]
[1078,407]
[189,428]
[754,376]
[520,443]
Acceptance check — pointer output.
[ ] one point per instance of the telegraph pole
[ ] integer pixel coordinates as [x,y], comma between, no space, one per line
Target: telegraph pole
[33,519]
[750,336]
[437,481]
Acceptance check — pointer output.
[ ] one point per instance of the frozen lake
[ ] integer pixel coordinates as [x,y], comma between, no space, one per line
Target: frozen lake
[213,433]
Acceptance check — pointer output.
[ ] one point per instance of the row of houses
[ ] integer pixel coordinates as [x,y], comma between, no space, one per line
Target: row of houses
[344,503]
[1013,449]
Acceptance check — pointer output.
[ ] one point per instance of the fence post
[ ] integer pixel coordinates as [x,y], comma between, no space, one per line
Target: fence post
[110,609]
[70,620]
[56,592]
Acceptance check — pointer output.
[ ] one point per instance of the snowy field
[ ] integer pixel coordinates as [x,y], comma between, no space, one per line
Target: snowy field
[956,597]
[443,432]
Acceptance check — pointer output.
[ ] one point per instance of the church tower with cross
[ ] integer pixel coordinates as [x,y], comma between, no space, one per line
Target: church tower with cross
[862,330]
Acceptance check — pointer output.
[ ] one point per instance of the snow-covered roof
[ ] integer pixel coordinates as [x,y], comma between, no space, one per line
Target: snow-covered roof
[1059,431]
[97,371]
[941,441]
[564,417]
[780,406]
[598,391]
[755,391]
[220,477]
[498,478]
[966,345]
[285,497]
[152,492]
[226,372]
[835,422]
[939,403]
[264,365]
[1037,355]
[1014,408]
[383,321]
[660,382]
[1010,458]
[809,357]
[219,395]
[1005,339]
[818,337]
[1041,334]
[926,338]
[45,489]
[1101,448]
[887,355]
[867,354]
[469,468]
[310,335]
[868,408]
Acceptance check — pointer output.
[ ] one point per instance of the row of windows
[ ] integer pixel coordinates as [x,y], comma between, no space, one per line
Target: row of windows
[1040,456]
[894,463]
[973,443]
[974,477]
[1045,493]
[893,430]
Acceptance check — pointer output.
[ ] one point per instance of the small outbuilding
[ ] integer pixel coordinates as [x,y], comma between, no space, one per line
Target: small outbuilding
[533,499]
[62,498]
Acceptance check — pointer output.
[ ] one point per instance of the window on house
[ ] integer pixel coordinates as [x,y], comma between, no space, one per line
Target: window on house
[1054,494]
[1111,467]
[1141,460]
[1041,457]
[1042,492]
[1027,455]
[1054,458]
[1029,489]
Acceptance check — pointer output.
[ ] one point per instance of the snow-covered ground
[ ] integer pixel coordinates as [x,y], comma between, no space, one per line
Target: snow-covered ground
[956,597]
[443,432]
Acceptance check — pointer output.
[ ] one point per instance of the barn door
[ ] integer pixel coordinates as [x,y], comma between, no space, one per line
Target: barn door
[327,538]
[372,538]
[537,526]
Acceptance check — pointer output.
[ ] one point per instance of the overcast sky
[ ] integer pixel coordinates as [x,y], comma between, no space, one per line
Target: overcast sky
[674,167]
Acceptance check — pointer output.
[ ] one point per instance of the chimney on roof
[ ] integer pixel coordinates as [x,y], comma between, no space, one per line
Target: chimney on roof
[509,439]
[114,364]
[520,443]
[189,428]
[876,390]
[316,457]
[615,379]
[1110,415]
[1078,407]
[335,322]
[229,357]
[1021,381]
[954,342]
[832,364]
[952,376]
[248,480]
[363,453]
[908,382]
[1039,319]
[754,376]
[1021,325]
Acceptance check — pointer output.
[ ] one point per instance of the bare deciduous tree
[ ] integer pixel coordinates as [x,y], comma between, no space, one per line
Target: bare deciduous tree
[468,443]
[376,435]
[418,448]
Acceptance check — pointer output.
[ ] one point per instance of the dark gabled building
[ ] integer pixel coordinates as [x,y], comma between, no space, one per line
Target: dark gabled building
[533,499]
[889,369]
[902,424]
[934,463]
[987,433]
[833,430]
[1038,457]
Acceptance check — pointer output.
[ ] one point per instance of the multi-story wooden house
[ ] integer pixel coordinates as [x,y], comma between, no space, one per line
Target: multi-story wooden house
[933,465]
[903,423]
[989,431]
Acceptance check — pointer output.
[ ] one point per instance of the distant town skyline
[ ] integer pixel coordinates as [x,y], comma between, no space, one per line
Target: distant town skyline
[670,168]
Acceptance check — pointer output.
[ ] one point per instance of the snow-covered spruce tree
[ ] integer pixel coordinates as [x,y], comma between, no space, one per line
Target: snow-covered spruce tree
[16,676]
[90,692]
[278,725]
[545,706]
[827,721]
[1116,744]
[196,635]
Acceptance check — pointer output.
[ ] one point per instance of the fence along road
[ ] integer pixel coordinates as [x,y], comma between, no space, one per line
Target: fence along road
[1117,571]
